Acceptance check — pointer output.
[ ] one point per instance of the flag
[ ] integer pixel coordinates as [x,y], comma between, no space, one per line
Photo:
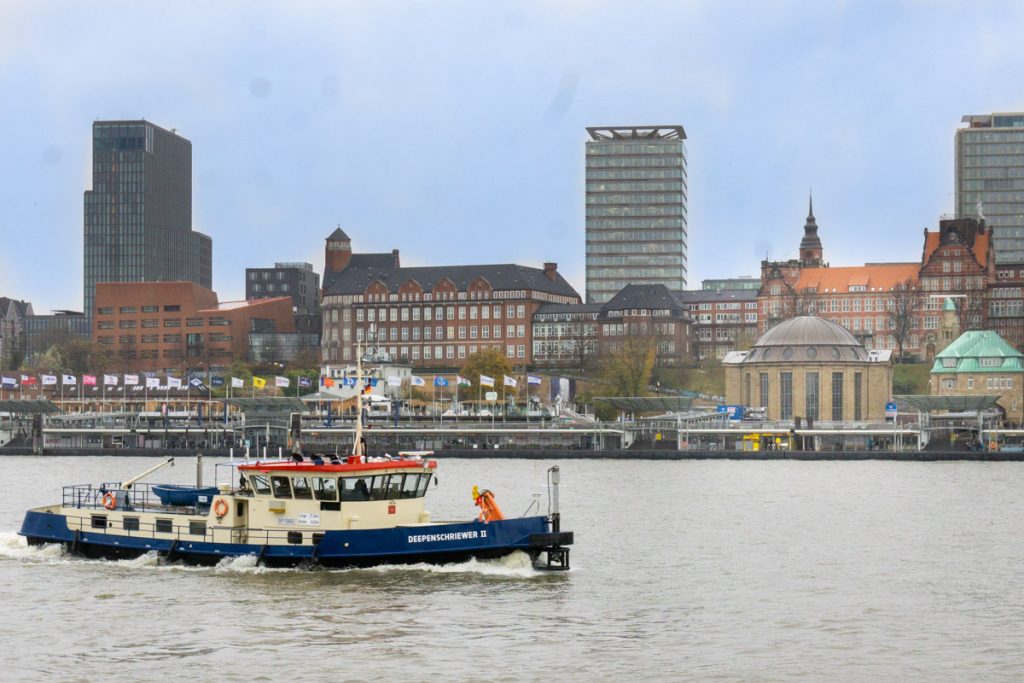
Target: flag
[152,382]
[282,382]
[305,382]
[217,381]
[131,380]
[486,381]
[510,381]
[394,381]
[440,382]
[416,381]
[9,381]
[533,379]
[237,383]
[369,387]
[89,380]
[49,380]
[110,380]
[327,381]
[348,381]
[29,380]
[68,379]
[259,382]
[462,381]
[174,382]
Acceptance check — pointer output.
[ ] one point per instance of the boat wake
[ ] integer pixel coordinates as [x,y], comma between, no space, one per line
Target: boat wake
[516,565]
[15,547]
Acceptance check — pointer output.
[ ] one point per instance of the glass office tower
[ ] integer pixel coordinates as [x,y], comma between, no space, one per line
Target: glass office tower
[138,214]
[990,179]
[636,209]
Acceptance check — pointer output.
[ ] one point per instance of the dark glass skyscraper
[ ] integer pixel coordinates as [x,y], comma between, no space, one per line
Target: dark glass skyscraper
[990,179]
[138,215]
[636,209]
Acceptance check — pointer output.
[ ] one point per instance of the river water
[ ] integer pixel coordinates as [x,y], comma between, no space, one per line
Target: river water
[708,570]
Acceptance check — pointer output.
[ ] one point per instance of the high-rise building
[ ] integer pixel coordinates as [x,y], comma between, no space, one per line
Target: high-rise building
[138,214]
[636,209]
[990,179]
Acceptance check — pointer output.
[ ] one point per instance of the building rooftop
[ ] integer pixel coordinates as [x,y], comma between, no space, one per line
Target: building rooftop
[875,277]
[981,351]
[607,133]
[807,338]
[693,296]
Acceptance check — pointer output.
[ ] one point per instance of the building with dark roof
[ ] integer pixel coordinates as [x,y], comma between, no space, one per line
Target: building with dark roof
[12,331]
[567,336]
[432,316]
[636,189]
[138,214]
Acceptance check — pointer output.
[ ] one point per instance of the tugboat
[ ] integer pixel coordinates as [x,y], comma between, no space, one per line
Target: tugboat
[351,512]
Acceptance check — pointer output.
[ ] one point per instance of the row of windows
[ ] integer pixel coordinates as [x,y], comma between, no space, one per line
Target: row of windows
[638,223]
[438,333]
[435,313]
[639,260]
[353,489]
[636,174]
[626,186]
[636,198]
[600,148]
[631,247]
[638,210]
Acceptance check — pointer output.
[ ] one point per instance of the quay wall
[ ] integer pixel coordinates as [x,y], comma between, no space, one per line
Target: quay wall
[576,454]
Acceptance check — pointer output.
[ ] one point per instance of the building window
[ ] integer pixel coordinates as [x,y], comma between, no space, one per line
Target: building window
[786,395]
[811,396]
[837,397]
[763,382]
[857,412]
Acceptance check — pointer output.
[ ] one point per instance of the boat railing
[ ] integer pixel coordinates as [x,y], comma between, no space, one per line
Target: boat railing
[97,521]
[138,498]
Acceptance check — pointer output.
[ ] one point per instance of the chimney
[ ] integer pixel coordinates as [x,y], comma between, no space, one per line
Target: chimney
[394,253]
[551,269]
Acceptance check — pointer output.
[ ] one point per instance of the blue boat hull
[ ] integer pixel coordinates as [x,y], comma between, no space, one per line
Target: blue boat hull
[434,544]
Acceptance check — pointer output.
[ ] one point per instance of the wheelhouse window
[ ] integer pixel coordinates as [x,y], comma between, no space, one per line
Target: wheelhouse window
[130,523]
[260,484]
[354,489]
[302,488]
[282,487]
[325,488]
[164,526]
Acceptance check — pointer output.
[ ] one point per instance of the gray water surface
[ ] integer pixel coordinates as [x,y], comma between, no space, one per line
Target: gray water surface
[707,570]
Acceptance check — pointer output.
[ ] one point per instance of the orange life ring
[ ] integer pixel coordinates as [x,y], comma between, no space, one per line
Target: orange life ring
[220,508]
[109,500]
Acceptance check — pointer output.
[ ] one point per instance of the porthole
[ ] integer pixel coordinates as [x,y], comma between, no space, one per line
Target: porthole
[767,354]
[835,353]
[788,353]
[812,352]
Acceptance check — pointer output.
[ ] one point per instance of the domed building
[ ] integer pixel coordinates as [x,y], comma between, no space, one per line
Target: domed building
[811,368]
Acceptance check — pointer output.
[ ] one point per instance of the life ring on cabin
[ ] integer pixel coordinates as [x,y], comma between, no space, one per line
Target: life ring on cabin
[220,508]
[109,500]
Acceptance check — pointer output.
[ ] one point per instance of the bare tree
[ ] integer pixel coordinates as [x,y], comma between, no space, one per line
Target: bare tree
[903,311]
[970,310]
[582,336]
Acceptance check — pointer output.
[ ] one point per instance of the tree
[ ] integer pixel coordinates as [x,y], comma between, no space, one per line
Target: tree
[970,310]
[625,367]
[903,309]
[582,343]
[491,362]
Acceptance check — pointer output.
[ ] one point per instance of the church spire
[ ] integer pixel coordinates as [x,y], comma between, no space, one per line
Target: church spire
[810,245]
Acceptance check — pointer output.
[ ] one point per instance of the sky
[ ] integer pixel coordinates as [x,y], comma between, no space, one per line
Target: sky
[454,131]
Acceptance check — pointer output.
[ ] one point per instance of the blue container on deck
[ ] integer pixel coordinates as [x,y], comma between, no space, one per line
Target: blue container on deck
[177,494]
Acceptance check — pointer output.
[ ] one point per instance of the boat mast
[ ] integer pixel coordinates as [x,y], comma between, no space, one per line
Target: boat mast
[357,439]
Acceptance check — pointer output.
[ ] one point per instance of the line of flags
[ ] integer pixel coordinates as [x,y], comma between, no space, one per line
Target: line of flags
[149,380]
[416,381]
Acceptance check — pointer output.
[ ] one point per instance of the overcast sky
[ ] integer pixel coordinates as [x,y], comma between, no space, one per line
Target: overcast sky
[454,131]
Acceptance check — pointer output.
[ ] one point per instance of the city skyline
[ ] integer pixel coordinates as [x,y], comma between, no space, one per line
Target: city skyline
[423,128]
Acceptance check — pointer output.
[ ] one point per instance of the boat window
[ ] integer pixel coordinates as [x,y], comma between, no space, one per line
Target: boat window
[282,487]
[130,523]
[197,527]
[260,484]
[99,521]
[164,526]
[424,484]
[295,537]
[325,488]
[411,484]
[302,488]
[354,488]
[393,486]
[377,487]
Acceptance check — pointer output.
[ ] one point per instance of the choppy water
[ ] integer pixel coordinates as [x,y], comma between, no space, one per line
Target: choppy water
[682,570]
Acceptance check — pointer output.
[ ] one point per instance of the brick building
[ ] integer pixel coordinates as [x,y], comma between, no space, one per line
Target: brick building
[12,331]
[180,325]
[431,317]
[723,320]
